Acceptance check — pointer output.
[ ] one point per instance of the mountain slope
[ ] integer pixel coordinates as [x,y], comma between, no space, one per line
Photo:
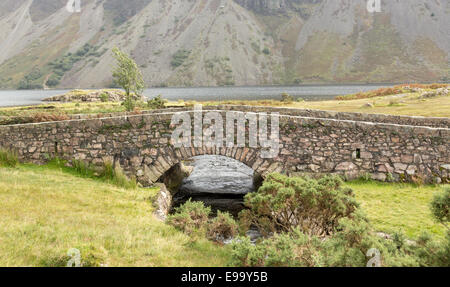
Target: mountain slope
[224,42]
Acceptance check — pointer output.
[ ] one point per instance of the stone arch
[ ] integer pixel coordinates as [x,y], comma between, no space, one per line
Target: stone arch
[170,156]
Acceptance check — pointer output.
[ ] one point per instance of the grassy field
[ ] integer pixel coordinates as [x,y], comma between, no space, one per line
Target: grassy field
[406,104]
[46,211]
[398,206]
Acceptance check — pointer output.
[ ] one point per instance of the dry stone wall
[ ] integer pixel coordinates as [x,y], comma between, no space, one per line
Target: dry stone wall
[311,145]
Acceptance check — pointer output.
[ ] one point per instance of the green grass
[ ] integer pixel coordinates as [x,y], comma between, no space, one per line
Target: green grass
[46,211]
[408,105]
[394,206]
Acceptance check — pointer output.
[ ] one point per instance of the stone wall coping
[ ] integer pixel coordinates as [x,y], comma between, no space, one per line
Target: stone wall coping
[337,113]
[335,122]
[422,121]
[391,119]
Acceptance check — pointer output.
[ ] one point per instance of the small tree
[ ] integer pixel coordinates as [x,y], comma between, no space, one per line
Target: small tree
[127,75]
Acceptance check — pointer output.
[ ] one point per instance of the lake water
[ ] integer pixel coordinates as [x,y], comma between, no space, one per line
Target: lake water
[309,93]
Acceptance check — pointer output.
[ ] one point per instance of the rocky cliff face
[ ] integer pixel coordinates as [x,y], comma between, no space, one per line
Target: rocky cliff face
[224,42]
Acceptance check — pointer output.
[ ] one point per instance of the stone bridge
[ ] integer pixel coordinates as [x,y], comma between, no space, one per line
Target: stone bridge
[311,142]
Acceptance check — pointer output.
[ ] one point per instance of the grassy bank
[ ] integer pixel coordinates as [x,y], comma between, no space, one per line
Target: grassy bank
[46,211]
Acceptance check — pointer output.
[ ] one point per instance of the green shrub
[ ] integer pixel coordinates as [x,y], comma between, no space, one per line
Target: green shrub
[104,97]
[191,217]
[8,158]
[432,253]
[283,204]
[346,248]
[223,226]
[440,206]
[156,103]
[352,236]
[282,250]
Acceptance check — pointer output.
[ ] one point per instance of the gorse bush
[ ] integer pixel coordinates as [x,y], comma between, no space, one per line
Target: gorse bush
[8,158]
[440,207]
[222,227]
[283,204]
[191,217]
[281,250]
[348,247]
[348,233]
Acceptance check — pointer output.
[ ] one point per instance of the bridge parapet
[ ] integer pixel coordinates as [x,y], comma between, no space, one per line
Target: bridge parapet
[308,145]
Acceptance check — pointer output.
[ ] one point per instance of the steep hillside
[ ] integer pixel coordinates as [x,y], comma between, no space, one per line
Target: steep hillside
[224,42]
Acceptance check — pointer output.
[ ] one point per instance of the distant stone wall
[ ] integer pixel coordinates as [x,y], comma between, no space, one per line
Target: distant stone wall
[360,117]
[141,144]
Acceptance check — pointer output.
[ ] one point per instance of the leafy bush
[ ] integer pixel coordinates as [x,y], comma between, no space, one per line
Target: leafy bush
[440,207]
[222,227]
[346,248]
[283,204]
[432,253]
[8,158]
[156,103]
[353,236]
[281,250]
[191,217]
[349,246]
